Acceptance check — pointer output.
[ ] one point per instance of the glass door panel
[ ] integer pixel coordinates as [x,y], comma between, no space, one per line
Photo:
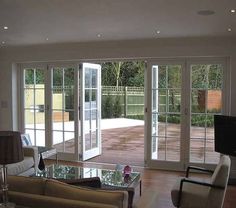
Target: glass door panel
[166,112]
[34,105]
[63,124]
[91,108]
[206,100]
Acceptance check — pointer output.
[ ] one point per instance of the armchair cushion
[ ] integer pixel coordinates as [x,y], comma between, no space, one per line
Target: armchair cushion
[26,167]
[16,168]
[196,195]
[32,151]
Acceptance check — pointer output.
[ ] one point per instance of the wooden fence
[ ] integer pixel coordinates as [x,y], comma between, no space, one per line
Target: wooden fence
[131,98]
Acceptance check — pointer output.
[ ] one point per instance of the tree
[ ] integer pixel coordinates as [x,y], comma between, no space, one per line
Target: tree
[117,69]
[129,73]
[133,73]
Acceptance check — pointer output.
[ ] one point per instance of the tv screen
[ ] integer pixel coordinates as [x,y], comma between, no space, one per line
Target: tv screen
[225,134]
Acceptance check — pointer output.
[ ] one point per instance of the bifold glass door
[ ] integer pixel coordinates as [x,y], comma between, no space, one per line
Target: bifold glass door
[34,104]
[166,94]
[206,95]
[61,108]
[91,110]
[183,104]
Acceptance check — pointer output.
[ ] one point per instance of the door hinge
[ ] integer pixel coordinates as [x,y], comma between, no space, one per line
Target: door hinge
[146,110]
[80,157]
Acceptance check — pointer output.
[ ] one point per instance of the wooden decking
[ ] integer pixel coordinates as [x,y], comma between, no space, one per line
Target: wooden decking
[123,146]
[126,146]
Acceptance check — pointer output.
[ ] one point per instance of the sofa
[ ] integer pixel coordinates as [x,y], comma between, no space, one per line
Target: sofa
[40,192]
[28,166]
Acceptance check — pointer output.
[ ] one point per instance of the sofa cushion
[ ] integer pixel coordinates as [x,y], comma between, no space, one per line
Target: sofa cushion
[41,201]
[20,167]
[32,185]
[62,190]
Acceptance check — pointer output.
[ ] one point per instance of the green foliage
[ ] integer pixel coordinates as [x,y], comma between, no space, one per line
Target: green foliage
[117,110]
[207,76]
[129,73]
[111,107]
[170,118]
[138,117]
[34,76]
[107,106]
[200,120]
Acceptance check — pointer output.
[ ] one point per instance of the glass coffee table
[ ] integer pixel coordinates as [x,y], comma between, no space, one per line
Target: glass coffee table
[110,179]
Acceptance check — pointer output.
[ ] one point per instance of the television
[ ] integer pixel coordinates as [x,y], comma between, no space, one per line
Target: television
[225,134]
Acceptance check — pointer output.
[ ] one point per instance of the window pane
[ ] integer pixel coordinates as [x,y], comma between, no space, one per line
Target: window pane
[69,77]
[174,100]
[57,77]
[174,76]
[29,76]
[162,77]
[70,142]
[197,150]
[39,77]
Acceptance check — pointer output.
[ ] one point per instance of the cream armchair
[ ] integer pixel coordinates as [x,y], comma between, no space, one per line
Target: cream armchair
[189,192]
[26,167]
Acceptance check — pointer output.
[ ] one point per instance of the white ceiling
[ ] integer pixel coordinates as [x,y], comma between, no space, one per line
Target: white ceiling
[33,21]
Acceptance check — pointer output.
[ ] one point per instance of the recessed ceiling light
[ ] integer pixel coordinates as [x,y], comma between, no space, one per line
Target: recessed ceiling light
[3,42]
[158,31]
[47,39]
[5,28]
[206,12]
[229,29]
[232,10]
[99,35]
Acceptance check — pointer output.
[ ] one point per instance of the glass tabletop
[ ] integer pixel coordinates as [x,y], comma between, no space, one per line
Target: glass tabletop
[107,177]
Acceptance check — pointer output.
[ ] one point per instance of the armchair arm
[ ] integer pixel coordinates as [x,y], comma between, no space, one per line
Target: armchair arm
[197,168]
[186,180]
[32,151]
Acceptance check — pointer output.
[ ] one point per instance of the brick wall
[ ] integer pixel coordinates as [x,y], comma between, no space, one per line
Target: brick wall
[214,99]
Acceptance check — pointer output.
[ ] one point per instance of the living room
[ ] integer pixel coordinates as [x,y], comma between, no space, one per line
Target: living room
[158,32]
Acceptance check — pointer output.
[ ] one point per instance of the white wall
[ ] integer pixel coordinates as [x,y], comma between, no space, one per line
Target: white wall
[162,48]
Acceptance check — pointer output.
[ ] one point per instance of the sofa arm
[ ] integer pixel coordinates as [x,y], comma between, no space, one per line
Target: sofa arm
[32,151]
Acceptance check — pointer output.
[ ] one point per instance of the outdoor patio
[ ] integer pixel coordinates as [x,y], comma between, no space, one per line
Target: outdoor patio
[123,143]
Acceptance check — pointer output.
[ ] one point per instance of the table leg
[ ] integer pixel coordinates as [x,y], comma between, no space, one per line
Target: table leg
[56,158]
[140,187]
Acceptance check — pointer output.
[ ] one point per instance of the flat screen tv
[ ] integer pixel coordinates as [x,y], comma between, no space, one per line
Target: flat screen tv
[225,134]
